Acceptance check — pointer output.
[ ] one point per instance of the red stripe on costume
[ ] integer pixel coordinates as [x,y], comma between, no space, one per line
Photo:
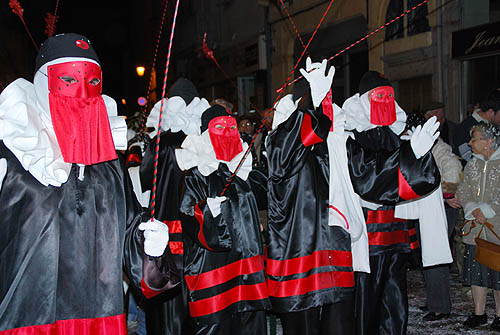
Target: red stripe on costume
[404,189]
[221,301]
[174,226]
[315,282]
[307,134]
[387,238]
[176,247]
[327,106]
[306,263]
[115,325]
[147,291]
[198,214]
[382,217]
[223,274]
[414,244]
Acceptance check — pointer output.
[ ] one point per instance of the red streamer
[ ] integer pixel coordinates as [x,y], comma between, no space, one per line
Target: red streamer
[18,10]
[281,90]
[50,21]
[361,40]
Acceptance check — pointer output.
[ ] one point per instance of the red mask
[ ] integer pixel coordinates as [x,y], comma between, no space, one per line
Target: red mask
[79,114]
[225,138]
[382,106]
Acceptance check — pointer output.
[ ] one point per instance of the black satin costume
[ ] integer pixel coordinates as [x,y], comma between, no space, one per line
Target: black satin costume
[385,170]
[223,256]
[308,263]
[167,314]
[62,250]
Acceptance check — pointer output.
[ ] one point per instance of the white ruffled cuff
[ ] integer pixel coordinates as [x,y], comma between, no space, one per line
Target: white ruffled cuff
[488,212]
[468,208]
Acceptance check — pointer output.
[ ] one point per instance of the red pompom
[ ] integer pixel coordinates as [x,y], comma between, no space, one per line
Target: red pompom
[16,8]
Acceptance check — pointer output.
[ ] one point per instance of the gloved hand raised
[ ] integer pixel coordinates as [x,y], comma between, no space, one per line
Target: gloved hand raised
[214,205]
[155,237]
[423,137]
[319,83]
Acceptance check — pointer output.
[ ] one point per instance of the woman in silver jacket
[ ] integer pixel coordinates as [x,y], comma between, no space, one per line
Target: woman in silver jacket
[479,195]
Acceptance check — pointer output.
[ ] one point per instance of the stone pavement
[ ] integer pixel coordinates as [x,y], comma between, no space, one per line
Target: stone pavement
[462,306]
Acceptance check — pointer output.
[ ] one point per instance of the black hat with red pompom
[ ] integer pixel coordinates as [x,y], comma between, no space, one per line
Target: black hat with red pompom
[65,45]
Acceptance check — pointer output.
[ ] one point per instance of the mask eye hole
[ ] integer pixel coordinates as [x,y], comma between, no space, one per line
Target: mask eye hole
[94,82]
[233,127]
[68,79]
[219,126]
[380,95]
[391,95]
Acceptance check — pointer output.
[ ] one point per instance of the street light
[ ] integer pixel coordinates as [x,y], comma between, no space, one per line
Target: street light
[140,70]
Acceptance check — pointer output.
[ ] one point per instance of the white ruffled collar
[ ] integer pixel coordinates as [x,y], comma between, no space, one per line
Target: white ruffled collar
[197,151]
[177,116]
[32,139]
[357,109]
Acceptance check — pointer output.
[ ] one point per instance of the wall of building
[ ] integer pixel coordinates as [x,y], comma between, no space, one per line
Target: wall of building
[306,15]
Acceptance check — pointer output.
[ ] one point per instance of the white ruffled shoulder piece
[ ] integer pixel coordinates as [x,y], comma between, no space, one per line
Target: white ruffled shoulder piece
[177,116]
[26,136]
[32,140]
[357,109]
[197,151]
[283,109]
[117,124]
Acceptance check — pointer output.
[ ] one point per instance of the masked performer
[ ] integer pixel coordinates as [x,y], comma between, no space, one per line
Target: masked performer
[386,171]
[223,262]
[67,206]
[181,116]
[315,229]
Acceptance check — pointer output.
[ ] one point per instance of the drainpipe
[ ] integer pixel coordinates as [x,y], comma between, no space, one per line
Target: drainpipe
[267,37]
[440,52]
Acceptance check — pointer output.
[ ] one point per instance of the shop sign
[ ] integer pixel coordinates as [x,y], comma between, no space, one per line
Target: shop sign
[476,42]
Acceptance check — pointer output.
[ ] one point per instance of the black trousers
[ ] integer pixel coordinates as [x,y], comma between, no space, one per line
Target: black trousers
[333,319]
[437,278]
[246,323]
[169,315]
[381,296]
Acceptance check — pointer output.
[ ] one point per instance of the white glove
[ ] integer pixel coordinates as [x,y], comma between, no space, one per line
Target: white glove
[214,205]
[3,170]
[409,132]
[155,237]
[319,83]
[423,138]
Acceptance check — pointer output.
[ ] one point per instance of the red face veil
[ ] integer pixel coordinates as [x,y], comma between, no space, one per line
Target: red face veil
[225,138]
[79,114]
[382,106]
